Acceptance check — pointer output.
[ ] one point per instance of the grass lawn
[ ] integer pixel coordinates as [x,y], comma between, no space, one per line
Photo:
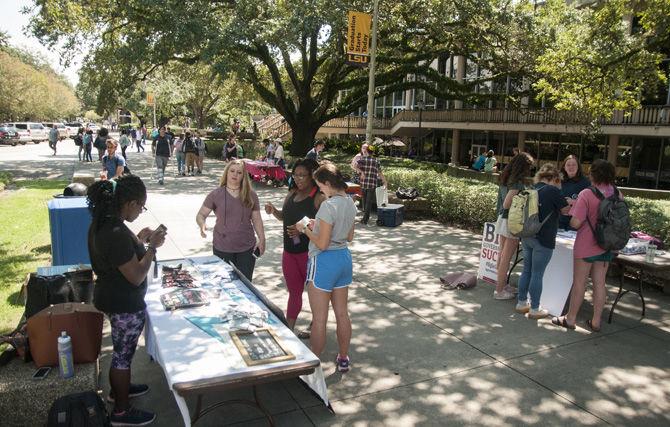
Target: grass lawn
[25,241]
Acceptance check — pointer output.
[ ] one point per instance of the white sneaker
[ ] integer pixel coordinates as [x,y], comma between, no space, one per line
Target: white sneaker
[539,313]
[502,295]
[522,307]
[512,289]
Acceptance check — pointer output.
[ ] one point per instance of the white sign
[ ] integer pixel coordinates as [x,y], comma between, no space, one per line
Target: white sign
[488,255]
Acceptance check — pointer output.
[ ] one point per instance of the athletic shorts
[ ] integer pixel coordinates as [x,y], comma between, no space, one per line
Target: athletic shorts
[126,330]
[502,228]
[604,257]
[330,270]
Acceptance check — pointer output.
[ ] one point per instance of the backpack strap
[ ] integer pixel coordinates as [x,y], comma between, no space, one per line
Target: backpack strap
[598,193]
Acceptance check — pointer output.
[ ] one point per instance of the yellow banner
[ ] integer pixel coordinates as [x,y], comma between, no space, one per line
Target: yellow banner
[150,98]
[358,39]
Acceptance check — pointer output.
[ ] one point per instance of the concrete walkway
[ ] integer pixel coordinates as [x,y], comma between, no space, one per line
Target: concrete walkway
[421,355]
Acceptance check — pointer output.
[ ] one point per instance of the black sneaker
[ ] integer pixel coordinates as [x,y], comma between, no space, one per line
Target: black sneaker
[134,391]
[132,417]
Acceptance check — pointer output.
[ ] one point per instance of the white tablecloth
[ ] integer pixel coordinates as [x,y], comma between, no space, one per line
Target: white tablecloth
[557,280]
[187,353]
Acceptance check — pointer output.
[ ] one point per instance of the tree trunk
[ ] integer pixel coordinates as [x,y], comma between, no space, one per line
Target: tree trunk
[302,139]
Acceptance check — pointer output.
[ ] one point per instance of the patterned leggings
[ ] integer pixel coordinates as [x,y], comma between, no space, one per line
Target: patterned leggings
[126,330]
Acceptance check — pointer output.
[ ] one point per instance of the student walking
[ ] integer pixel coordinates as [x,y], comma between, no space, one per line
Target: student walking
[191,153]
[178,151]
[330,269]
[537,251]
[124,142]
[88,145]
[53,138]
[79,142]
[162,146]
[201,148]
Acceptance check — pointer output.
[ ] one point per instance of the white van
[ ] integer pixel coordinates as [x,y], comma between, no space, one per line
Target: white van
[31,131]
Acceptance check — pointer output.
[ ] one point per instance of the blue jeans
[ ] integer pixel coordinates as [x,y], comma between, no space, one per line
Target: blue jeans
[535,260]
[180,162]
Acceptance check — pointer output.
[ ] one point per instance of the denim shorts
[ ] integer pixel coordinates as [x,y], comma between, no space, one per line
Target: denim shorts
[330,270]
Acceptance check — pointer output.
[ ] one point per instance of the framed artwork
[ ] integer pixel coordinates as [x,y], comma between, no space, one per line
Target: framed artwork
[260,347]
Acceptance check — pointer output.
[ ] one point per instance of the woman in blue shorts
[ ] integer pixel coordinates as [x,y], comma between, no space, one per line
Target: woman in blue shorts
[329,271]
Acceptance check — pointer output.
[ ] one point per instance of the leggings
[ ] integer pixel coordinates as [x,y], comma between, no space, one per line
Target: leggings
[294,267]
[244,261]
[126,330]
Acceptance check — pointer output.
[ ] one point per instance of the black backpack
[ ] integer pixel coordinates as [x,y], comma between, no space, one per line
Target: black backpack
[78,140]
[612,229]
[78,410]
[407,193]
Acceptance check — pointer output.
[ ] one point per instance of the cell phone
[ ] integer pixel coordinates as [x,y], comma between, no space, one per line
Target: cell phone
[256,253]
[162,227]
[41,373]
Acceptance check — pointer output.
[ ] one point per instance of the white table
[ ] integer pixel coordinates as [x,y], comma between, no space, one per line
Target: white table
[195,363]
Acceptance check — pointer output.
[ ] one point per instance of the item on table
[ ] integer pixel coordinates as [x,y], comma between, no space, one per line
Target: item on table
[650,254]
[175,276]
[184,298]
[635,246]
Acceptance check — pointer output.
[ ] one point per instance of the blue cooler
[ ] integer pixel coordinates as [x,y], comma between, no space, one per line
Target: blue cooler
[69,219]
[390,215]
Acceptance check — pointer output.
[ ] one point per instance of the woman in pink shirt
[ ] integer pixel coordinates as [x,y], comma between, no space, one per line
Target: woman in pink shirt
[590,259]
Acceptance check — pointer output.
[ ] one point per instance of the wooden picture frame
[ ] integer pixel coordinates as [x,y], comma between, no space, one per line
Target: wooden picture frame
[260,347]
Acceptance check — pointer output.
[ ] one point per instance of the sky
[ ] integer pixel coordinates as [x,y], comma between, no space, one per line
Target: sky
[13,23]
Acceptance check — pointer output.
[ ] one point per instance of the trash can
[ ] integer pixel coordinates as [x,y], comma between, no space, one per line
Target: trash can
[69,220]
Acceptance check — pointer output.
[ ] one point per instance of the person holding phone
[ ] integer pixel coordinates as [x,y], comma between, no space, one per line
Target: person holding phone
[303,200]
[121,263]
[238,217]
[330,268]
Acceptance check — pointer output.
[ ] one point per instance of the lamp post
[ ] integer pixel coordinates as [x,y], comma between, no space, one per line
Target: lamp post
[420,106]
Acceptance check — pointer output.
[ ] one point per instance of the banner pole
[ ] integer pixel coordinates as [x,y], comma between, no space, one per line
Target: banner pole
[371,81]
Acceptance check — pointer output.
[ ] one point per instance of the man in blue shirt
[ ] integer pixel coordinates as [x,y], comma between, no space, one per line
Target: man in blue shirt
[113,163]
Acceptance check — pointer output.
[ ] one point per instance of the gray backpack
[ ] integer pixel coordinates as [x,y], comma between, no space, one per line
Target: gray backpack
[612,229]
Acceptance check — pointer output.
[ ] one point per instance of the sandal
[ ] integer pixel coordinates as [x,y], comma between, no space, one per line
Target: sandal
[562,322]
[304,334]
[591,327]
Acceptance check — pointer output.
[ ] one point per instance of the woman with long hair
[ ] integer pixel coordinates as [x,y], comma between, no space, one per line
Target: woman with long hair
[121,263]
[590,259]
[537,251]
[303,200]
[511,181]
[330,269]
[573,182]
[238,216]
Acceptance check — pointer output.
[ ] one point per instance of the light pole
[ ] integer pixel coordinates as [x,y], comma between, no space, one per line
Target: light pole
[371,81]
[420,106]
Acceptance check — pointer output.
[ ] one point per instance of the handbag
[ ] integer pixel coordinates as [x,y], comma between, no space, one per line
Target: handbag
[407,193]
[82,322]
[42,291]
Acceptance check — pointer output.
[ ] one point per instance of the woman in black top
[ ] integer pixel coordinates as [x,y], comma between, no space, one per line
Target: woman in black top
[303,200]
[121,263]
[230,149]
[572,183]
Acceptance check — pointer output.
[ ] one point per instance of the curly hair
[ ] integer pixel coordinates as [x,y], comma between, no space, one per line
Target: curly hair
[309,164]
[548,172]
[602,172]
[516,170]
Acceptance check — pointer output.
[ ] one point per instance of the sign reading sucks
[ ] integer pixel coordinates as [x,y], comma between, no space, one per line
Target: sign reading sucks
[488,255]
[358,39]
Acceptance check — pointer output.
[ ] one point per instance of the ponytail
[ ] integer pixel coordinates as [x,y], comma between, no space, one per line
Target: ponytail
[328,173]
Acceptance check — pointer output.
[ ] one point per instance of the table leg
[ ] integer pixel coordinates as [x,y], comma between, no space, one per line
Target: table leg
[517,260]
[199,413]
[620,294]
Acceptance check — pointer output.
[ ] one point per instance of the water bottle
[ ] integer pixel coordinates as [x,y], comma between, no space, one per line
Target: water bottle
[65,360]
[650,253]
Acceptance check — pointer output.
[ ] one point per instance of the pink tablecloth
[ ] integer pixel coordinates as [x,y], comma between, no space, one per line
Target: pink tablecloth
[259,170]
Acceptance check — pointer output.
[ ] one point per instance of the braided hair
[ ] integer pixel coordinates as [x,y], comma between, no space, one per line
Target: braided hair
[105,199]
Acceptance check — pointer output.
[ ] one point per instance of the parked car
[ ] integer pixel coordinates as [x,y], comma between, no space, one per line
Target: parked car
[9,135]
[63,131]
[93,127]
[73,127]
[35,132]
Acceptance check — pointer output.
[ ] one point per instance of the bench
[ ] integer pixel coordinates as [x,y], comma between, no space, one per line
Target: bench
[26,402]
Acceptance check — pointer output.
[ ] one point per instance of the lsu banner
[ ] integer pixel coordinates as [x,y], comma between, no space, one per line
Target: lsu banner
[358,39]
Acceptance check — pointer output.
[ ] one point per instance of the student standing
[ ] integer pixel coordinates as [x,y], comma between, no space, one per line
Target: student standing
[371,175]
[590,259]
[121,263]
[330,269]
[511,181]
[201,150]
[238,217]
[573,183]
[314,153]
[537,251]
[88,145]
[303,200]
[190,152]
